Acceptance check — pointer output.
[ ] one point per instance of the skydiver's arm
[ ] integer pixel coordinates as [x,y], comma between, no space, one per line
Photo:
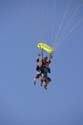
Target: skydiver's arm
[38,57]
[50,58]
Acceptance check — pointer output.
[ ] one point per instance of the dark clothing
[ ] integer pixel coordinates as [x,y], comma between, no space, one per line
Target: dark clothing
[37,68]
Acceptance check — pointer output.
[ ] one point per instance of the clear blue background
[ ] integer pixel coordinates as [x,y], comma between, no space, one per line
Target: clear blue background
[23,23]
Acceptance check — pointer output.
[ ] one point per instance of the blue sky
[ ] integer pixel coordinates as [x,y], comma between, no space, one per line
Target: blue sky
[23,23]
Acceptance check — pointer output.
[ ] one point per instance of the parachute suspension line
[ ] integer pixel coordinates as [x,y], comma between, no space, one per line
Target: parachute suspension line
[62,22]
[60,26]
[53,24]
[74,14]
[73,27]
[68,35]
[69,22]
[42,54]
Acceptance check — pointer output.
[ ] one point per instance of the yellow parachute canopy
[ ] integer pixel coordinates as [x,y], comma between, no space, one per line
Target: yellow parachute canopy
[45,47]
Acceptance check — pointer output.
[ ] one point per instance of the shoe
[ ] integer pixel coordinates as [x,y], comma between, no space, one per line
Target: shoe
[34,82]
[45,86]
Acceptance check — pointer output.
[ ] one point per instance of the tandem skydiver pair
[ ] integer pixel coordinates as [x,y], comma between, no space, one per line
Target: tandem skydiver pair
[43,62]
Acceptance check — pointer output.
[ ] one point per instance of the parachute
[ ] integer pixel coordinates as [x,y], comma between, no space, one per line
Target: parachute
[45,47]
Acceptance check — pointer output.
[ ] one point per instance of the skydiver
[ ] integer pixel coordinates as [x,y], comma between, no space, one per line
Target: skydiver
[45,70]
[46,62]
[38,68]
[45,79]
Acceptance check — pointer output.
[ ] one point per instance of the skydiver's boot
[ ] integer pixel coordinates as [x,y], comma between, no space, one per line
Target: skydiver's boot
[45,85]
[34,81]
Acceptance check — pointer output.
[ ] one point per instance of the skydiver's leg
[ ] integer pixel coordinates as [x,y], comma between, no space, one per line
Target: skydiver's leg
[41,82]
[44,82]
[45,85]
[42,78]
[37,77]
[49,79]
